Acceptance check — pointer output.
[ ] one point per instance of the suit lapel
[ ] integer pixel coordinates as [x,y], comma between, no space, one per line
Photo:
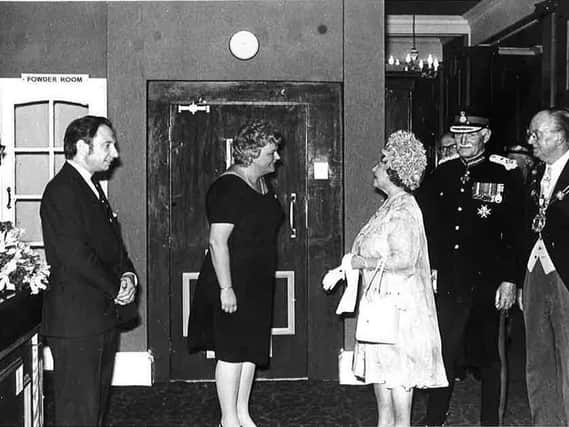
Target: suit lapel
[78,180]
[563,180]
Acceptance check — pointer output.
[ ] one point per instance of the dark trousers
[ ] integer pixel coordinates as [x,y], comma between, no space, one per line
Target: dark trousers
[454,318]
[83,370]
[546,316]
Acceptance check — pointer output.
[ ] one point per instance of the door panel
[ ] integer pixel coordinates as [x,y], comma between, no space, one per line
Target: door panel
[33,119]
[190,130]
[201,151]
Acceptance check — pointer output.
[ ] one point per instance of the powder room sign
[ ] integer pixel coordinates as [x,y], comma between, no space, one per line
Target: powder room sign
[55,79]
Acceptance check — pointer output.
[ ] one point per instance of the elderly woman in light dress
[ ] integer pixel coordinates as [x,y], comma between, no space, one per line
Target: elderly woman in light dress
[395,238]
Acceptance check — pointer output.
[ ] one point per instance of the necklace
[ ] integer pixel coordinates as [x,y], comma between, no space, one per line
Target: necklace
[539,220]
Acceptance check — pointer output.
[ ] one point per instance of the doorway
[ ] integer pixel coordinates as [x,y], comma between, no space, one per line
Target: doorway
[191,129]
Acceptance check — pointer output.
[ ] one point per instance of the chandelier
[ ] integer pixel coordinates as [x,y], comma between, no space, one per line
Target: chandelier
[412,63]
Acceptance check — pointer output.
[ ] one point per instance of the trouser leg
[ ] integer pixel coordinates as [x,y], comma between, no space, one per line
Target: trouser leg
[77,379]
[486,318]
[544,392]
[107,364]
[560,325]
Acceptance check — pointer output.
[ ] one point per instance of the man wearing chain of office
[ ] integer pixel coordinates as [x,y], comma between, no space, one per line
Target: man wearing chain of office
[545,300]
[471,207]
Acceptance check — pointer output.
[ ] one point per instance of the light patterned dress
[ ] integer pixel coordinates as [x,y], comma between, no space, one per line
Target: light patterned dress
[396,233]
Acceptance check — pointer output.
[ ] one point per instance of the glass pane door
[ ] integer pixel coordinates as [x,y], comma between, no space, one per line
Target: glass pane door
[38,154]
[33,119]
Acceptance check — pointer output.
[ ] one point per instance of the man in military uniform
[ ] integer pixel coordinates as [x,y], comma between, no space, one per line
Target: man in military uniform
[471,207]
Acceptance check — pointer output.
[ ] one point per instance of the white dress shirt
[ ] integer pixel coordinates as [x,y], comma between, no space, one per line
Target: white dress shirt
[555,171]
[548,182]
[85,174]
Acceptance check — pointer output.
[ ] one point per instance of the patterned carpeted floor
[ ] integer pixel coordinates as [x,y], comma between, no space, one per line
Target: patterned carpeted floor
[284,403]
[302,403]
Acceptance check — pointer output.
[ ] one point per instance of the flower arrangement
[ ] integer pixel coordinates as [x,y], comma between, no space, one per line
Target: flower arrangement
[21,268]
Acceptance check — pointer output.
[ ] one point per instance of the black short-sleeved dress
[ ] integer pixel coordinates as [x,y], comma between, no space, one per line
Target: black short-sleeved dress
[243,336]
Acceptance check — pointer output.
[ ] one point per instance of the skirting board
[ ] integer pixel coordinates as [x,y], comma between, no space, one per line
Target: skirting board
[131,367]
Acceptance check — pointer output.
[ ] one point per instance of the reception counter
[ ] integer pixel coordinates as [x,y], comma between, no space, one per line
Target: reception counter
[21,392]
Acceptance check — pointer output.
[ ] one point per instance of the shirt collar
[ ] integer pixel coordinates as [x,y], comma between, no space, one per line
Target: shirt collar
[85,174]
[558,165]
[475,160]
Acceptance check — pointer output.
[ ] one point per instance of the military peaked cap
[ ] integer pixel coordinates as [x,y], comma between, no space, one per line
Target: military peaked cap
[464,123]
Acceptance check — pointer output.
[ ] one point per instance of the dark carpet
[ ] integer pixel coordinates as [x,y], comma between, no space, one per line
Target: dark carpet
[285,403]
[303,403]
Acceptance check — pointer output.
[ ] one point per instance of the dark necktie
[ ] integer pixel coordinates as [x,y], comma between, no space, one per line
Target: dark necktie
[103,199]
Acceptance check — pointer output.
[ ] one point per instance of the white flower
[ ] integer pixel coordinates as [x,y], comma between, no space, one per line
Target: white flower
[21,267]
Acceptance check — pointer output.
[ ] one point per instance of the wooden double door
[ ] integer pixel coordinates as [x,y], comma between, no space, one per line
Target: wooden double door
[191,130]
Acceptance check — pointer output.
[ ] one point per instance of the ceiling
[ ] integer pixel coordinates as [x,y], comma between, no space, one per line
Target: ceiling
[428,7]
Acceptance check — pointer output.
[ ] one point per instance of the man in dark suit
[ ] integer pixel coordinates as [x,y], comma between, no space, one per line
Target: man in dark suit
[545,293]
[471,207]
[92,280]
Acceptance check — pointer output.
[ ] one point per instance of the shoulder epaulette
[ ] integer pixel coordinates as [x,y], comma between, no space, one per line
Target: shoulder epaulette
[509,164]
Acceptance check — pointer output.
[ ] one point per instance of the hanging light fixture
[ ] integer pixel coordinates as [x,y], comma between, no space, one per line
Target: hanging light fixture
[413,63]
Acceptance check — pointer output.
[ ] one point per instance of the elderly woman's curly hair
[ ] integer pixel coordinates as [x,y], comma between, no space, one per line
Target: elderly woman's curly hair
[251,138]
[405,160]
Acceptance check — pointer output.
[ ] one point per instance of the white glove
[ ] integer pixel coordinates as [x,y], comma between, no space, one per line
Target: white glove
[332,278]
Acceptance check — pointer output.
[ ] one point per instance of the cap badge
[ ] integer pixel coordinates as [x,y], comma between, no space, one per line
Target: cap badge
[462,119]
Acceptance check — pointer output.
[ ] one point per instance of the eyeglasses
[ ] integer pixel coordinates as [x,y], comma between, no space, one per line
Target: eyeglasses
[536,133]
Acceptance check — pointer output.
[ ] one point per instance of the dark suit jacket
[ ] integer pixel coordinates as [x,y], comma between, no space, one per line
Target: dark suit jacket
[556,231]
[87,258]
[472,240]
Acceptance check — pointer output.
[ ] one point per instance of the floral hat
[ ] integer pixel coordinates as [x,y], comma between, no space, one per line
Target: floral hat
[405,155]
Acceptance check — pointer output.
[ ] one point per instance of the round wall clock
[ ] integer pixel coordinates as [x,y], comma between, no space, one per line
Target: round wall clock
[243,45]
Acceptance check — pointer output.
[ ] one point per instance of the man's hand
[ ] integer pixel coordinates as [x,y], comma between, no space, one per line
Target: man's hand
[127,291]
[505,296]
[358,262]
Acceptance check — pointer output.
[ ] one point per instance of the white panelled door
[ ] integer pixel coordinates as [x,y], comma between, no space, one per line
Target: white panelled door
[34,114]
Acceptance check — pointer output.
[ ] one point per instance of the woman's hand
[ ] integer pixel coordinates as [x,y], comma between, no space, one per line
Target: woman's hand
[228,300]
[359,262]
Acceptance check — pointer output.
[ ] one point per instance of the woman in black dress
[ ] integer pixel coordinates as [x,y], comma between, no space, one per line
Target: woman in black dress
[232,306]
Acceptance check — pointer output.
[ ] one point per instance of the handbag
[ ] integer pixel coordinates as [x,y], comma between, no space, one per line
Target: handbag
[345,373]
[378,317]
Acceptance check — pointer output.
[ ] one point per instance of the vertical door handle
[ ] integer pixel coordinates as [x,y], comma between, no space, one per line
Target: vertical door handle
[9,204]
[228,152]
[291,213]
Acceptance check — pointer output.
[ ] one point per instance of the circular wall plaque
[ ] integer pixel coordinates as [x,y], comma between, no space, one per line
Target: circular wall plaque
[243,45]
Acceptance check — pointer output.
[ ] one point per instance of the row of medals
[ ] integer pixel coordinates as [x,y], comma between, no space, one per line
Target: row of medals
[538,222]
